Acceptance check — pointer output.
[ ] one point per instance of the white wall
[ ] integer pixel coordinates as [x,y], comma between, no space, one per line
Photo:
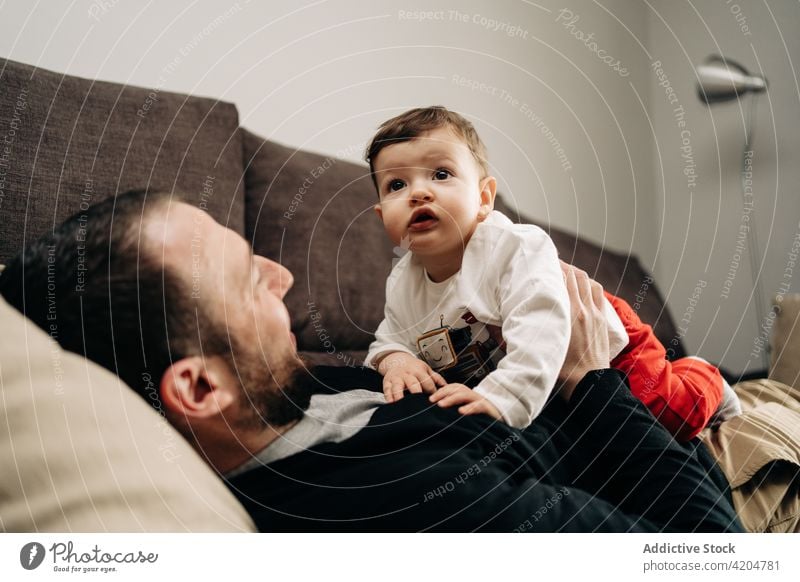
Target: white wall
[322,75]
[699,227]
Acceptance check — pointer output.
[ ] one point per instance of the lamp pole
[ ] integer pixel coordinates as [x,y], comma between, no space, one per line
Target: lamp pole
[719,80]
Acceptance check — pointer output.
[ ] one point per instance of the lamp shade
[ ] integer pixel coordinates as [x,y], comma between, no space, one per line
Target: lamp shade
[721,79]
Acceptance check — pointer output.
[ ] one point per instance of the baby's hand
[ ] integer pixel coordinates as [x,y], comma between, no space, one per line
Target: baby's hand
[402,371]
[471,402]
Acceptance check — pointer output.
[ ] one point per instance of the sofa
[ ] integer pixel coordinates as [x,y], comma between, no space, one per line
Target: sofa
[80,451]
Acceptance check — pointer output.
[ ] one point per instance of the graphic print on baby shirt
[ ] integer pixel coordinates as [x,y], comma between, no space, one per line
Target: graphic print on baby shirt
[465,355]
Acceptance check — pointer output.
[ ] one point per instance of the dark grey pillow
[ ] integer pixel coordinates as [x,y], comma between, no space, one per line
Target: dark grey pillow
[313,214]
[71,142]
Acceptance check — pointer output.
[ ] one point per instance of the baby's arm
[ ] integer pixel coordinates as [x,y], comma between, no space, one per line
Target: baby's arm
[391,335]
[534,308]
[388,340]
[683,394]
[391,356]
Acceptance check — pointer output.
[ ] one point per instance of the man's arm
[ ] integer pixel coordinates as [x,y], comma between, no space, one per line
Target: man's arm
[630,460]
[626,457]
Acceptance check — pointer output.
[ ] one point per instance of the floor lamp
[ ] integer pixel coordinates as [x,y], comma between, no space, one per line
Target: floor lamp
[719,80]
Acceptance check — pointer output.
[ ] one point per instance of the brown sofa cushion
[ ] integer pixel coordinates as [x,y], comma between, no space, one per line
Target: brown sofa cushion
[70,141]
[313,214]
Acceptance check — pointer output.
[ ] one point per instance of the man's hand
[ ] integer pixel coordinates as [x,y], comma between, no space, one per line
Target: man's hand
[402,371]
[588,345]
[470,401]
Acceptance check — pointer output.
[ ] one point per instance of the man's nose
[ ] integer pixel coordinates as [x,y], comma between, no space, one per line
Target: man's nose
[280,278]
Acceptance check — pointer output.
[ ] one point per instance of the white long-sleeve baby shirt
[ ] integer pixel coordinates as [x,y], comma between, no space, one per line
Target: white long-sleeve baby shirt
[501,324]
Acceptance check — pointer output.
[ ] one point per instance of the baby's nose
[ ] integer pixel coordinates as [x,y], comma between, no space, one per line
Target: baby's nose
[421,193]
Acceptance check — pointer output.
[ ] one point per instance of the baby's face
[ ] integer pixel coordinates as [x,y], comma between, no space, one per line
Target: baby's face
[432,195]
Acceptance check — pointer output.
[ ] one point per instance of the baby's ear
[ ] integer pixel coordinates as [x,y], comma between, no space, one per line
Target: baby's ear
[488,188]
[379,211]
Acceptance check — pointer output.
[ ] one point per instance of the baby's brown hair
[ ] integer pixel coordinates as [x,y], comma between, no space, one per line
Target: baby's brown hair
[415,122]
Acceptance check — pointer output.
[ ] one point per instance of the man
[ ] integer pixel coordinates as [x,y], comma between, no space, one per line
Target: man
[165,290]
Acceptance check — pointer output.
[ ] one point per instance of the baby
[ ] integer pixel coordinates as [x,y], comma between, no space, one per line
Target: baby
[477,313]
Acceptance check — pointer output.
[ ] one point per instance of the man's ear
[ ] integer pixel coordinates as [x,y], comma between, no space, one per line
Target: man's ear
[193,388]
[379,211]
[488,192]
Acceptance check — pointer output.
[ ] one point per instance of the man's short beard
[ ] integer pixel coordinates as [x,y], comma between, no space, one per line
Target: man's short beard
[274,395]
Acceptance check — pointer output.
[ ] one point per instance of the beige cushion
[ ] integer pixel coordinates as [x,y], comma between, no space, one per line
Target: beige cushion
[785,341]
[80,451]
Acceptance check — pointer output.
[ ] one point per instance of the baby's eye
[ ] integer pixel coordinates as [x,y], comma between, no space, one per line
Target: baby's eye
[441,174]
[396,185]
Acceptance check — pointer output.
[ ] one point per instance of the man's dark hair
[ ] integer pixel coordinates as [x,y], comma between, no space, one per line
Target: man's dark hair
[97,287]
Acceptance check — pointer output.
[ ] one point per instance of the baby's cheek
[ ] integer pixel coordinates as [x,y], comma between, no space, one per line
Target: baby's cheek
[395,229]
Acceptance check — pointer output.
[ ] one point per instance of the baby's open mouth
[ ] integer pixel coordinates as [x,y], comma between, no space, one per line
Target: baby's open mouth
[422,219]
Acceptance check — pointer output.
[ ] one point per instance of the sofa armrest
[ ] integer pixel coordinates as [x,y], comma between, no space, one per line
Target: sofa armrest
[785,341]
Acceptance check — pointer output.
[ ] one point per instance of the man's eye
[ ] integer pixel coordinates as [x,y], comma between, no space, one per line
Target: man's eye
[441,174]
[396,185]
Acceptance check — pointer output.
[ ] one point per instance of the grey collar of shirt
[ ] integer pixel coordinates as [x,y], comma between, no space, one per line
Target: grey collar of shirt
[330,418]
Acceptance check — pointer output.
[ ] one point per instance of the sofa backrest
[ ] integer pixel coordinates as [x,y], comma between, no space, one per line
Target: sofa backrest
[620,274]
[66,143]
[313,214]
